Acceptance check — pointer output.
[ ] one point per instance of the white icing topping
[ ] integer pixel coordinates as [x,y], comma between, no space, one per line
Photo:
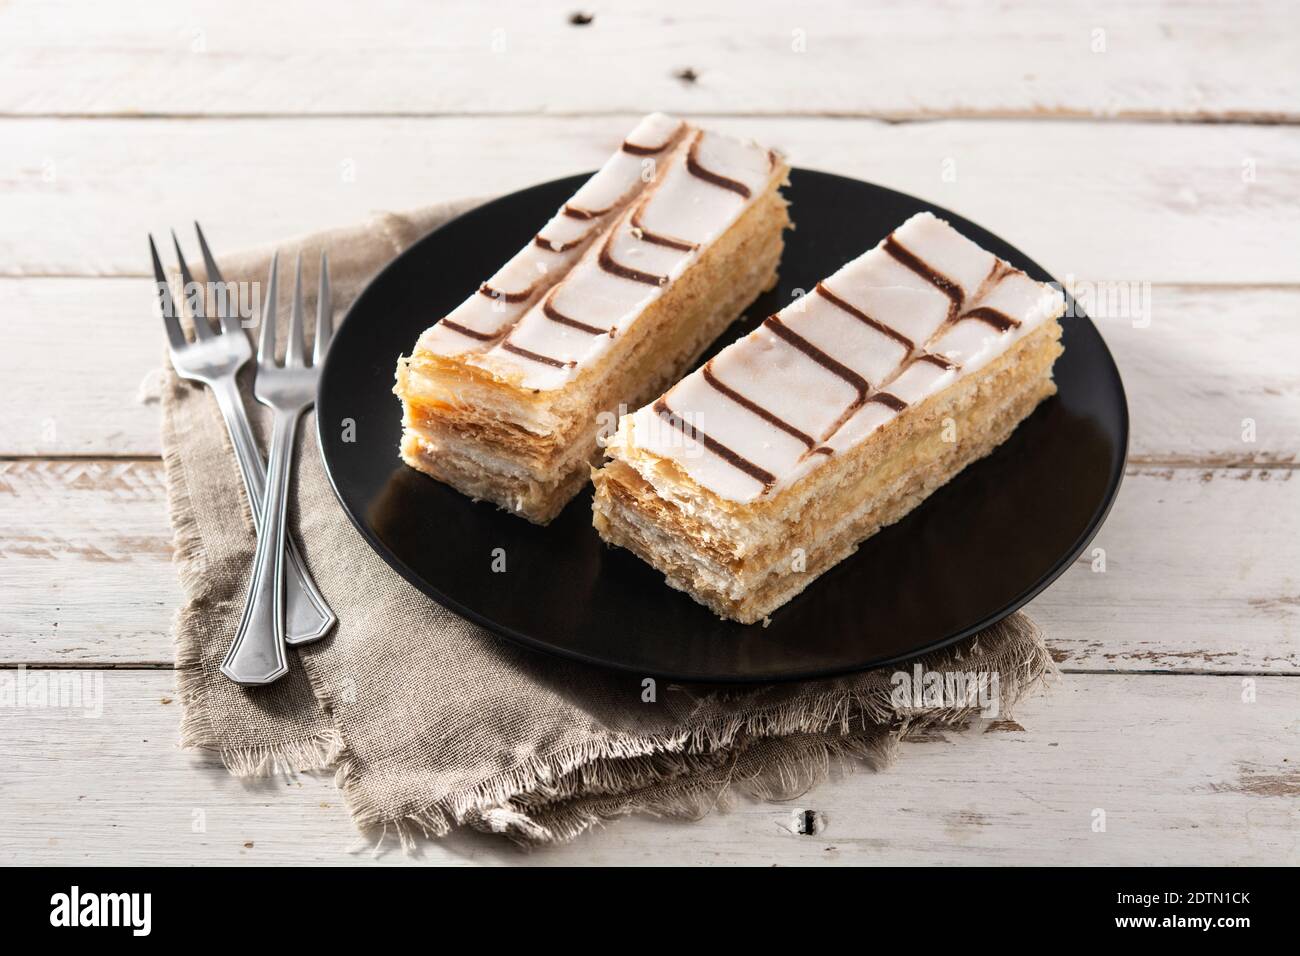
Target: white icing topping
[610,185]
[680,208]
[535,268]
[822,396]
[784,381]
[868,351]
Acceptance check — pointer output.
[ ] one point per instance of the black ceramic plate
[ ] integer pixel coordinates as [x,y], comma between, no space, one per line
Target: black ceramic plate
[975,551]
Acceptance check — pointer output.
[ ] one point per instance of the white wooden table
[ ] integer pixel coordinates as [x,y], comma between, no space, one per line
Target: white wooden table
[1149,147]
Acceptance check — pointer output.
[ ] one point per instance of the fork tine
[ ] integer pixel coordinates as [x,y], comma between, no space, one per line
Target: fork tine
[193,297]
[324,314]
[266,336]
[175,336]
[225,310]
[294,353]
[209,263]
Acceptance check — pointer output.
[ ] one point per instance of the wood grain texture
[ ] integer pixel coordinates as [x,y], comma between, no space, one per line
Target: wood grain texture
[87,547]
[1015,791]
[86,552]
[1201,573]
[1211,378]
[1151,202]
[110,333]
[1170,60]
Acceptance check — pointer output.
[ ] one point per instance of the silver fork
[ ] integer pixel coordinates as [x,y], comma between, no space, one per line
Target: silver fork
[214,359]
[289,390]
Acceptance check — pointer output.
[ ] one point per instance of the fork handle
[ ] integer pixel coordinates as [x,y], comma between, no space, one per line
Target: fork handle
[307,616]
[257,656]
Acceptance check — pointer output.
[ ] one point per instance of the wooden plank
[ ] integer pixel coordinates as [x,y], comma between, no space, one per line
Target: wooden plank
[86,552]
[1152,202]
[115,789]
[1172,582]
[1211,376]
[1175,60]
[1197,368]
[81,366]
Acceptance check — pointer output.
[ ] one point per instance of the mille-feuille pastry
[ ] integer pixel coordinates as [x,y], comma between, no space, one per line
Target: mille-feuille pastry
[839,415]
[612,301]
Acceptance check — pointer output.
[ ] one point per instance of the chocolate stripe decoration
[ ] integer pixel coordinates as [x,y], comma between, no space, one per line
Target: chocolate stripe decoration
[492,293]
[999,272]
[888,400]
[937,360]
[759,410]
[956,295]
[861,316]
[636,150]
[625,272]
[576,212]
[535,356]
[542,242]
[555,315]
[994,317]
[722,451]
[464,330]
[645,235]
[783,331]
[695,169]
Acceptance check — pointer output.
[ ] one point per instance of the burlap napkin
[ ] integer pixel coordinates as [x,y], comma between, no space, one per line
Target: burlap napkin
[431,722]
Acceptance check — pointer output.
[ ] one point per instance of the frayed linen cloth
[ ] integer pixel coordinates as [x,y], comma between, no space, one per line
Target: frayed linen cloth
[431,723]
